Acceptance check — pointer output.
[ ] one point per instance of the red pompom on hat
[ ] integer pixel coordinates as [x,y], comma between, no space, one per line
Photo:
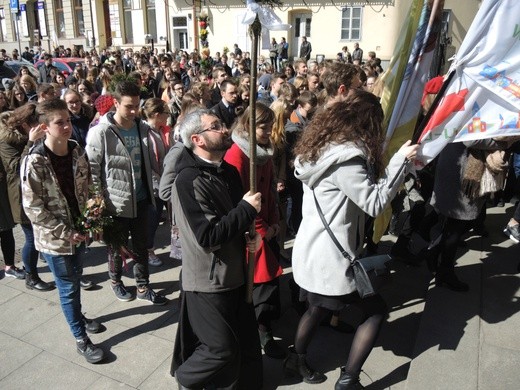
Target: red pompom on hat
[104,103]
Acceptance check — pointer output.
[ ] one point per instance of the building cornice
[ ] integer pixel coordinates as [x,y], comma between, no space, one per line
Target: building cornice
[188,4]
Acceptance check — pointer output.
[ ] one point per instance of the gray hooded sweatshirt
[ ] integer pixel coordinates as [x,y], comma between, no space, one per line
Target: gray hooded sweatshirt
[346,192]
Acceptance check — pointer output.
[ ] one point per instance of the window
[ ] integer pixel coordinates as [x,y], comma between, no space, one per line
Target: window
[180,22]
[3,27]
[127,10]
[150,19]
[80,23]
[180,32]
[302,27]
[351,23]
[60,18]
[113,10]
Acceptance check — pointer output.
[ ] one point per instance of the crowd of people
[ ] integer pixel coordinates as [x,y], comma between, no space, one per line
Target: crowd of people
[155,131]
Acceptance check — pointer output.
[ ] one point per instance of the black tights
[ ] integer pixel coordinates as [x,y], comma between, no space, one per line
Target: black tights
[374,312]
[307,327]
[7,245]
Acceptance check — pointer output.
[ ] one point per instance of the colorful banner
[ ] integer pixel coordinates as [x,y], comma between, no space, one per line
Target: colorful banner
[405,79]
[483,98]
[404,83]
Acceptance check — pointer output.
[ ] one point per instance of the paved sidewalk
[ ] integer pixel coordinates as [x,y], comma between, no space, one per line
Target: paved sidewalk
[433,339]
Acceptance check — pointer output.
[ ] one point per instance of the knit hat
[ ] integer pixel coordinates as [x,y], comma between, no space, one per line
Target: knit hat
[104,103]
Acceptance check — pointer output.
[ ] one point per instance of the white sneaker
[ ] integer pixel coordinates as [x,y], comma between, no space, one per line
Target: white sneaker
[153,260]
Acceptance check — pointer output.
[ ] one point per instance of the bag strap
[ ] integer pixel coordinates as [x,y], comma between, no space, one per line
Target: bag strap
[327,227]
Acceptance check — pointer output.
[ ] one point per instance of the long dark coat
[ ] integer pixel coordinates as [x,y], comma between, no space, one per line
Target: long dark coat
[13,144]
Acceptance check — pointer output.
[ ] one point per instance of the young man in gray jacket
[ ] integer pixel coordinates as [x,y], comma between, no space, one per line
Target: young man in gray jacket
[121,168]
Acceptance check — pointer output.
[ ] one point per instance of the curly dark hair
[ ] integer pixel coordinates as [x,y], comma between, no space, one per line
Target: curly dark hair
[357,119]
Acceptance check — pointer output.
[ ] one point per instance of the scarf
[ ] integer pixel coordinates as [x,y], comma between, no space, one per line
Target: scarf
[263,153]
[485,172]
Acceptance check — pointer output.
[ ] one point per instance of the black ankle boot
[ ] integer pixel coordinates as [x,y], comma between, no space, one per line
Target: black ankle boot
[450,280]
[33,282]
[296,365]
[92,353]
[271,347]
[347,381]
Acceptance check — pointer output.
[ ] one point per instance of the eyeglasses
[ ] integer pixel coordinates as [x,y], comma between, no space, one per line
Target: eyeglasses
[74,102]
[217,127]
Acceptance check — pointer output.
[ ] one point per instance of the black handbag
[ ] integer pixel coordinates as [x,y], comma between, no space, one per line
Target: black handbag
[370,273]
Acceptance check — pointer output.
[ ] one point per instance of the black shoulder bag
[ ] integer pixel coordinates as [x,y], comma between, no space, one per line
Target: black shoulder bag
[370,273]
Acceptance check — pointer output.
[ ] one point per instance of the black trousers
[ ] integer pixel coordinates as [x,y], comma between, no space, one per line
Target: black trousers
[266,300]
[217,342]
[409,224]
[8,246]
[266,296]
[138,229]
[453,230]
[295,189]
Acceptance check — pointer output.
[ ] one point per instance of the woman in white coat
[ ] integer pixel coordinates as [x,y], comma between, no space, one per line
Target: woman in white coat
[340,157]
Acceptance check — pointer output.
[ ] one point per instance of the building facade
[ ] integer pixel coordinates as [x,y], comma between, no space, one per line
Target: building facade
[51,23]
[170,24]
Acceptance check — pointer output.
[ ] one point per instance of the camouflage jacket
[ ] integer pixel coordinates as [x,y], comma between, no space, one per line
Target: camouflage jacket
[45,204]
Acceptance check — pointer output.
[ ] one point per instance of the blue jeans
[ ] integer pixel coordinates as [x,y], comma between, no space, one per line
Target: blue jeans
[516,164]
[153,220]
[29,252]
[67,270]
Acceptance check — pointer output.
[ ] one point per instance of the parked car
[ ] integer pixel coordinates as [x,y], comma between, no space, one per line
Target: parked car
[16,65]
[65,65]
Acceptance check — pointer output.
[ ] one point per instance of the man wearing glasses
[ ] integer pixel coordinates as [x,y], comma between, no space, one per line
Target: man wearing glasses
[217,344]
[339,80]
[175,102]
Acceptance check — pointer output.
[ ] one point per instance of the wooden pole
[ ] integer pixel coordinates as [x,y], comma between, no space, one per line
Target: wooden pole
[254,30]
[195,25]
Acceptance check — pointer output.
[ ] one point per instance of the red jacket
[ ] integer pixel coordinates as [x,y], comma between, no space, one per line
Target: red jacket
[267,266]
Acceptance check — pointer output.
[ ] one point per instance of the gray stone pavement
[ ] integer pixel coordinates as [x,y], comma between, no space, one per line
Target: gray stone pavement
[433,339]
